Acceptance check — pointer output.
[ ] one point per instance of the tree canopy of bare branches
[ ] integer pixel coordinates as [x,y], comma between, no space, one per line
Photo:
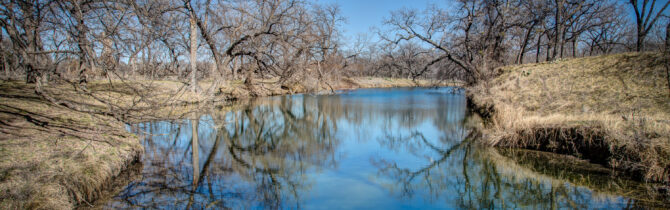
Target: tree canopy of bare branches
[299,41]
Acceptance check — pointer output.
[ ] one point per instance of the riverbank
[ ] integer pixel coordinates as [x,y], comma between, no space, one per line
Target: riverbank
[52,157]
[176,101]
[270,87]
[546,167]
[611,110]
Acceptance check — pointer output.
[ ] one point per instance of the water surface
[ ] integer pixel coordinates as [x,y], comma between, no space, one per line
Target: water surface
[406,148]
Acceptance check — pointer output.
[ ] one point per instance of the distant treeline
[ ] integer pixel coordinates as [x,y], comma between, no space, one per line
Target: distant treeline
[297,41]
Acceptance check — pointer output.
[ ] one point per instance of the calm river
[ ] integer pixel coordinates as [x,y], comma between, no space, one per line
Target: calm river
[403,148]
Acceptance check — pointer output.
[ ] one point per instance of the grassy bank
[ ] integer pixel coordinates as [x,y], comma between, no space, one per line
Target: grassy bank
[55,158]
[270,87]
[173,99]
[52,157]
[612,110]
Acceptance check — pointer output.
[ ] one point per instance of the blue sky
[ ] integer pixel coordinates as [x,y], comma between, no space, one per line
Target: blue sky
[363,14]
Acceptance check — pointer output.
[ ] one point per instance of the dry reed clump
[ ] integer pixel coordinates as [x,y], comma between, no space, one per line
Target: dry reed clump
[610,109]
[55,158]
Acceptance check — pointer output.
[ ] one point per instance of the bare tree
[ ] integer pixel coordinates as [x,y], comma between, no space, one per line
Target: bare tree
[4,66]
[294,41]
[194,45]
[430,29]
[645,19]
[22,21]
[536,11]
[606,36]
[571,19]
[477,48]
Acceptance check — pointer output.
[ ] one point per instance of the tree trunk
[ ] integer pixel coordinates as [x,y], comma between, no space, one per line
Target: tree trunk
[539,47]
[667,75]
[249,82]
[209,40]
[561,42]
[574,48]
[5,65]
[234,69]
[85,53]
[4,58]
[639,45]
[547,58]
[667,55]
[133,65]
[150,62]
[180,72]
[562,47]
[557,33]
[194,51]
[32,75]
[524,43]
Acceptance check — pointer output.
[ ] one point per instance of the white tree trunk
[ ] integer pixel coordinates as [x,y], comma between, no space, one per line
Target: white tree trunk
[194,51]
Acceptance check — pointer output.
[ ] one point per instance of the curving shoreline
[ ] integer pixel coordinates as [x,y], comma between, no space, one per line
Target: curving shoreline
[56,158]
[609,110]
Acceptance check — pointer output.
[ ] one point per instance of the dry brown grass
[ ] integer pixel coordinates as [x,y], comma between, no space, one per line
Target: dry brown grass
[270,87]
[54,158]
[379,82]
[612,109]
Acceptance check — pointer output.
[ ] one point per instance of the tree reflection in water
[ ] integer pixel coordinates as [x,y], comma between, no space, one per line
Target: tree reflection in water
[464,174]
[401,148]
[254,157]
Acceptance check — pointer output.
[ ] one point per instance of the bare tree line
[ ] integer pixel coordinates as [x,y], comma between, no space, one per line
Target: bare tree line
[188,40]
[469,38]
[301,42]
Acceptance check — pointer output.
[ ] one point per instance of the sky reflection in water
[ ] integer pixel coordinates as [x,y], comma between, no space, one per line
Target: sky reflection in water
[364,149]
